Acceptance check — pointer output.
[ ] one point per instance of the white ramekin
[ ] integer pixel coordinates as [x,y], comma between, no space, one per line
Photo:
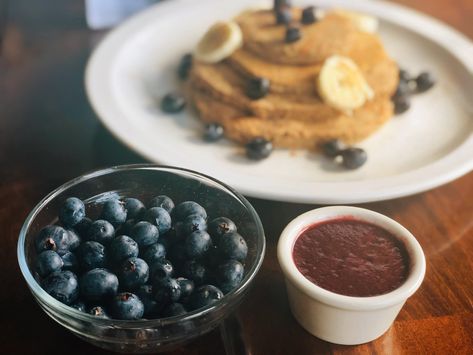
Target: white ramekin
[345,319]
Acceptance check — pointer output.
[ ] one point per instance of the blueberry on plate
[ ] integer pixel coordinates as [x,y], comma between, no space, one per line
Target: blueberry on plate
[404,75]
[424,81]
[122,247]
[70,262]
[213,132]
[48,262]
[146,295]
[98,311]
[144,233]
[173,310]
[401,104]
[114,211]
[187,208]
[353,158]
[52,238]
[308,15]
[332,148]
[135,208]
[166,290]
[185,66]
[233,246]
[197,243]
[133,272]
[258,148]
[154,253]
[91,255]
[187,287]
[126,306]
[173,103]
[257,88]
[71,212]
[162,201]
[204,296]
[403,89]
[98,285]
[161,269]
[220,226]
[63,286]
[229,275]
[195,271]
[101,231]
[190,224]
[293,34]
[160,218]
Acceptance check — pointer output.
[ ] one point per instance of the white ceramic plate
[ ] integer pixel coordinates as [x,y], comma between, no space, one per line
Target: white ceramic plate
[135,65]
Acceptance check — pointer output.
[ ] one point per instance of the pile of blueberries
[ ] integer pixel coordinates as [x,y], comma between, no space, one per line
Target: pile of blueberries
[409,85]
[135,262]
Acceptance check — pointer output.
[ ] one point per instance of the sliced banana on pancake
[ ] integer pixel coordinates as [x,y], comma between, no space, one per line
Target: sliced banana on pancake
[364,22]
[341,84]
[219,42]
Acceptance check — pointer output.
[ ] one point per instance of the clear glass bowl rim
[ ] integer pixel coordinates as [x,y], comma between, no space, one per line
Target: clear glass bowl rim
[229,298]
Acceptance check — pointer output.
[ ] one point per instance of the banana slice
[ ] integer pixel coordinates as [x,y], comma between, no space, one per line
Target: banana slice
[341,84]
[219,42]
[365,23]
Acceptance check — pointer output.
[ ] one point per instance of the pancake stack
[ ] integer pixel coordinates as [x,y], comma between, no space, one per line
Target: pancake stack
[308,102]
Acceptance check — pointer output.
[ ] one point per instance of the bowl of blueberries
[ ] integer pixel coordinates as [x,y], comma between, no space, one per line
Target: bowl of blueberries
[141,258]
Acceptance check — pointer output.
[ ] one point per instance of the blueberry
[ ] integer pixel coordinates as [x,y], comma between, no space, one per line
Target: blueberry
[233,246]
[48,262]
[293,34]
[188,208]
[332,148]
[160,218]
[281,3]
[83,226]
[135,208]
[197,244]
[283,15]
[195,271]
[133,273]
[154,253]
[308,15]
[101,231]
[257,88]
[258,148]
[404,75]
[52,238]
[174,310]
[146,295]
[229,275]
[166,290]
[71,212]
[114,211]
[213,132]
[98,311]
[126,227]
[402,89]
[213,256]
[353,158]
[204,296]
[126,306]
[123,247]
[145,234]
[177,255]
[80,306]
[70,262]
[424,81]
[401,104]
[172,103]
[219,226]
[162,201]
[185,66]
[161,269]
[190,224]
[91,255]
[98,285]
[74,240]
[187,287]
[63,286]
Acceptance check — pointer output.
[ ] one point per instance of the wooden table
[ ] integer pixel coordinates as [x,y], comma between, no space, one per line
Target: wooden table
[49,134]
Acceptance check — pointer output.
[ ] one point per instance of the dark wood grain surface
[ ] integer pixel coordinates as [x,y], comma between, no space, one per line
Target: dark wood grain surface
[49,134]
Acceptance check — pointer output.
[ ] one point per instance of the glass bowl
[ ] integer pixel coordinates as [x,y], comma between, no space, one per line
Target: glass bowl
[144,182]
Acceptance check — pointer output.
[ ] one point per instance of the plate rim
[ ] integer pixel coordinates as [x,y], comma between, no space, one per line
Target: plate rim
[453,165]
